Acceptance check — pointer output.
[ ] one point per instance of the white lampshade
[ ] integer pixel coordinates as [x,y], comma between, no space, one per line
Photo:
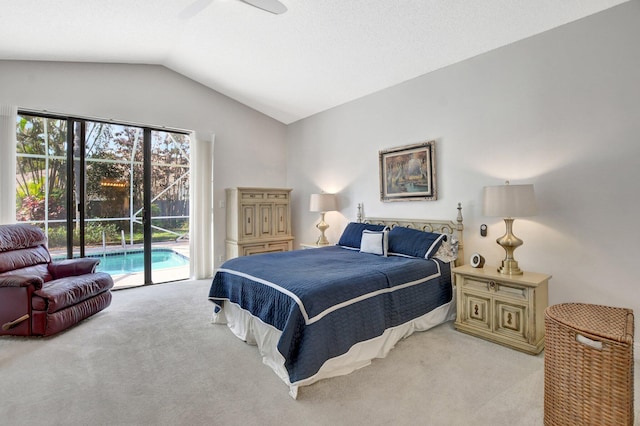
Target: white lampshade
[323,203]
[509,201]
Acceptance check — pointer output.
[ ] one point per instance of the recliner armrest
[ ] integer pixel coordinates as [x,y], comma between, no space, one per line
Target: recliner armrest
[21,281]
[73,267]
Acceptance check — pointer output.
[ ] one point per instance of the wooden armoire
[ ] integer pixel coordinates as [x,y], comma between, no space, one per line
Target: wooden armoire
[258,221]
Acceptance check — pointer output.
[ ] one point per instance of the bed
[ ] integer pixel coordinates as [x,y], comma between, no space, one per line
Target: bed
[325,312]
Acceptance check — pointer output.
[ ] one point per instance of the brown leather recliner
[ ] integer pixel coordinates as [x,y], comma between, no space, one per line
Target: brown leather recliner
[38,297]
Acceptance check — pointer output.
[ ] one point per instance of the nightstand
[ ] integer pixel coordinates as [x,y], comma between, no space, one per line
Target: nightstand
[506,309]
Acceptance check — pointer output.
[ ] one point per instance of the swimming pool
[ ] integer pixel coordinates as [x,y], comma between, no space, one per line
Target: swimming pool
[126,263]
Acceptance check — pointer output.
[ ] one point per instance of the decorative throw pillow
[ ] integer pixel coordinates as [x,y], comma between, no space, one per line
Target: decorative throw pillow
[374,242]
[414,243]
[448,250]
[352,234]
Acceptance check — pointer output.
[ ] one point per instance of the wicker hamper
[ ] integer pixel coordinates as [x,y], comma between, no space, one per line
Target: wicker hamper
[588,365]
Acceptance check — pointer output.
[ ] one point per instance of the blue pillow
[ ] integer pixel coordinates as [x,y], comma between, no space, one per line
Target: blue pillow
[352,234]
[414,243]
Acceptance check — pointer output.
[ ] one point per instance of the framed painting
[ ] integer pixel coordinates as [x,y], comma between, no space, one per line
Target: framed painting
[408,173]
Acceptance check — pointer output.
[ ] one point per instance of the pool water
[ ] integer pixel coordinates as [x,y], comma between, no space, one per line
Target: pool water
[126,263]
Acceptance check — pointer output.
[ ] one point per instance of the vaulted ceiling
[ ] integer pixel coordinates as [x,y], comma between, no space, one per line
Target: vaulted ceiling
[317,55]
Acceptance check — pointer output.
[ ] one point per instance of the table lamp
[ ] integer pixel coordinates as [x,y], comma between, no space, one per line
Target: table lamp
[509,202]
[322,203]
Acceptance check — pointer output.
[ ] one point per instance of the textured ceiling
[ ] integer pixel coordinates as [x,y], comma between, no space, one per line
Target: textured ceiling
[319,54]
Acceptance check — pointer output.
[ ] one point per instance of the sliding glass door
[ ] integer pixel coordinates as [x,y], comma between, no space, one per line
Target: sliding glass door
[109,168]
[169,205]
[119,192]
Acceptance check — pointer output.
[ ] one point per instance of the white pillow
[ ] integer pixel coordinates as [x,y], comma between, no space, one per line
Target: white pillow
[375,242]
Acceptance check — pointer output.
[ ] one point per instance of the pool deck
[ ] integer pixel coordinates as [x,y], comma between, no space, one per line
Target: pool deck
[136,279]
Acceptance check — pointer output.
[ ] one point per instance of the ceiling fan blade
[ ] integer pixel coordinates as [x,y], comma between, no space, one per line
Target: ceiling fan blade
[273,6]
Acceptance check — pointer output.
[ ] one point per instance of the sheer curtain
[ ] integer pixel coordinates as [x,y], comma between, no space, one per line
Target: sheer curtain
[201,206]
[8,114]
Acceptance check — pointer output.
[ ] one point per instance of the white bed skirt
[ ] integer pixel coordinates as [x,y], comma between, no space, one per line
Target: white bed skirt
[253,331]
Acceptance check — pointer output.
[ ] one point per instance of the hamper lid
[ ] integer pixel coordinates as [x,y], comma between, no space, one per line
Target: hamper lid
[605,321]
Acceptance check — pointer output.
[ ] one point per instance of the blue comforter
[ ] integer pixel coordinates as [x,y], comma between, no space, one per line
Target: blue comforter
[325,300]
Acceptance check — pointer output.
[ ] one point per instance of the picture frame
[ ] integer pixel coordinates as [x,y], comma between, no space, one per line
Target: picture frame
[408,173]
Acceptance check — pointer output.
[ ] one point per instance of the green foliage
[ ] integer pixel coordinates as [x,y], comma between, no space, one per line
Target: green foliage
[92,235]
[30,205]
[57,237]
[93,232]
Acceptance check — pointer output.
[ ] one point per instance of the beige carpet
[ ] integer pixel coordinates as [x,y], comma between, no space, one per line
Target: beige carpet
[153,358]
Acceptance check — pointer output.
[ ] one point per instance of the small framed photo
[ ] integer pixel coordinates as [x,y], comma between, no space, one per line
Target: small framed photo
[408,173]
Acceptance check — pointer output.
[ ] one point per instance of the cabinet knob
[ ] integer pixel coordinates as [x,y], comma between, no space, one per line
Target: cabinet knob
[491,285]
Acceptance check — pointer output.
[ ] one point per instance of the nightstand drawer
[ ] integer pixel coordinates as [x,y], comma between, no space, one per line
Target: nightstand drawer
[509,290]
[499,288]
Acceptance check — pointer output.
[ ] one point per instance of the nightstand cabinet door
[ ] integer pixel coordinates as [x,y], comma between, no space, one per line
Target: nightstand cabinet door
[511,320]
[477,310]
[504,309]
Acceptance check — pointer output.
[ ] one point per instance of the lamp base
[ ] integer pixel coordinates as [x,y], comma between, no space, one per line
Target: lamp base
[509,267]
[322,226]
[509,242]
[322,241]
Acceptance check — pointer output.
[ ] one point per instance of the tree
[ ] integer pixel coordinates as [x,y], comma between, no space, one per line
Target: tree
[37,137]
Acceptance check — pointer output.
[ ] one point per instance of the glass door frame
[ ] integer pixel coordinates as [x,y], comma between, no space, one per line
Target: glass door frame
[76,180]
[146,202]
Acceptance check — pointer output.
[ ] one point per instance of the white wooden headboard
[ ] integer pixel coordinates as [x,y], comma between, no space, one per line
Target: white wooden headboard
[428,225]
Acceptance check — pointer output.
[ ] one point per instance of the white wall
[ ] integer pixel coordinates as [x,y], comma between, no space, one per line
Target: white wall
[249,147]
[560,110]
